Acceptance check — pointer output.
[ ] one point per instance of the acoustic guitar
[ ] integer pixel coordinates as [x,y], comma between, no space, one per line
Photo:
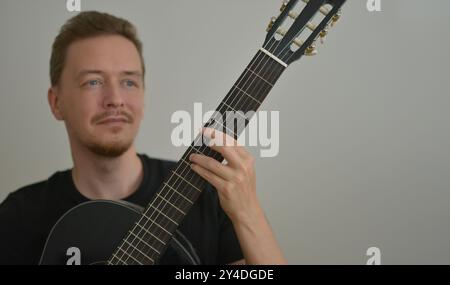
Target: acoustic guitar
[116,232]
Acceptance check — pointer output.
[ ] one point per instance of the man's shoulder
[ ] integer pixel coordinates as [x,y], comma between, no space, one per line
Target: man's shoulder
[34,190]
[22,199]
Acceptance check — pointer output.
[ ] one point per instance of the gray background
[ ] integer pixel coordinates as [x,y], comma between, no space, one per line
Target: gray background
[364,139]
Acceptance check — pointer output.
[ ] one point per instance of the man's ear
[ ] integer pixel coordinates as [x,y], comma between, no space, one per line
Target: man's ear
[53,101]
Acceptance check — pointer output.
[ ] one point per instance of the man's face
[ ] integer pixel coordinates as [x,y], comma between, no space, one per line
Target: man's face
[101,94]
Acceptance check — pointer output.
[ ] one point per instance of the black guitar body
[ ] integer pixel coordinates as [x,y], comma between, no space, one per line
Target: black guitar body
[94,230]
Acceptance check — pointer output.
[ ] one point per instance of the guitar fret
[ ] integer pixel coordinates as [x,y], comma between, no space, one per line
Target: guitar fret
[135,248]
[237,112]
[187,181]
[151,234]
[159,226]
[129,255]
[196,150]
[116,257]
[185,161]
[259,76]
[167,201]
[164,214]
[178,193]
[221,125]
[228,129]
[256,100]
[143,241]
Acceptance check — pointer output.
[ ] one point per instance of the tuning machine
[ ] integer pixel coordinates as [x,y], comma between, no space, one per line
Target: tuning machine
[311,50]
[284,5]
[270,25]
[281,32]
[336,18]
[323,34]
[322,9]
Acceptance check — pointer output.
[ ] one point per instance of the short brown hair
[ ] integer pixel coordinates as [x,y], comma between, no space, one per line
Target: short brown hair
[85,25]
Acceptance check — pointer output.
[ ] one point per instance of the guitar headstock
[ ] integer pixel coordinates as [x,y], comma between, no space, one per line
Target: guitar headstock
[301,23]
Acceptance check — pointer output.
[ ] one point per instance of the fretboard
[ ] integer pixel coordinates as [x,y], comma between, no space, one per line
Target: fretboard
[150,235]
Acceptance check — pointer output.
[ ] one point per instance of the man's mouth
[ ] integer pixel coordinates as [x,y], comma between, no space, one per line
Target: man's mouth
[114,120]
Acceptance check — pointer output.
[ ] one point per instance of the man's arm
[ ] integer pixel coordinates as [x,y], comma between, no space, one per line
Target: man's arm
[238,262]
[236,186]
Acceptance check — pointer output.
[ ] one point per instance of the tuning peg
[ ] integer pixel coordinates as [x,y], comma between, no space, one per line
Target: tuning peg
[281,32]
[293,14]
[298,42]
[283,5]
[335,18]
[311,26]
[270,25]
[323,34]
[322,9]
[311,50]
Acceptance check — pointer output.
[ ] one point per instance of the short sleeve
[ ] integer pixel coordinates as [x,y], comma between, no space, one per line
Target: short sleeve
[11,232]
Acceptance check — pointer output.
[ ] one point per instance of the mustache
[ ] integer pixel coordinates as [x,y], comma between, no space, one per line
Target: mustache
[113,113]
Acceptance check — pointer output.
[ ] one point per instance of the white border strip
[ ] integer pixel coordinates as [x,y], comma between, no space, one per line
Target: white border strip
[274,57]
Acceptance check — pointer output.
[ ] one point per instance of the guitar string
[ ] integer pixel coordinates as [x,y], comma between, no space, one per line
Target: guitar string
[166,204]
[132,243]
[256,58]
[330,14]
[206,147]
[169,195]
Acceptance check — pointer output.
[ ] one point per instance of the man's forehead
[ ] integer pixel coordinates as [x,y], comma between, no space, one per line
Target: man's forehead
[106,54]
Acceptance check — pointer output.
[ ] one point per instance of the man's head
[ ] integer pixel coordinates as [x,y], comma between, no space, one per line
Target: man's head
[97,77]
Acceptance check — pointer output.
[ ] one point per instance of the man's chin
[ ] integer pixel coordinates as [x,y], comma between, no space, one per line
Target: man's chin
[110,150]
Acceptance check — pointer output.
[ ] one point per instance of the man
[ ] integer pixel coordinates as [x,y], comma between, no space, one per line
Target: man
[97,90]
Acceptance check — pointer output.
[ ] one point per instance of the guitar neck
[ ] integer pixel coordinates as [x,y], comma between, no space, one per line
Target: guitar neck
[148,237]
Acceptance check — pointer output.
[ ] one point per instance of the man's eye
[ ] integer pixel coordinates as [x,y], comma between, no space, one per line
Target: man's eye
[130,83]
[94,82]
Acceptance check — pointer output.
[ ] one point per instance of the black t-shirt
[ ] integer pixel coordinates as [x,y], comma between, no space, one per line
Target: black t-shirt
[28,214]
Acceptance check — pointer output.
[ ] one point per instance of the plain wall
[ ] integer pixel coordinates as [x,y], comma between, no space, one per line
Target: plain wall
[364,126]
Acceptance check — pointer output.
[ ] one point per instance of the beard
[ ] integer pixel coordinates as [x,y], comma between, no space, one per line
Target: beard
[110,149]
[115,147]
[113,144]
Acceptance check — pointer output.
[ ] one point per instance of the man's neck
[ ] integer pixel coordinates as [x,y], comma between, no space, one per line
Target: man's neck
[98,177]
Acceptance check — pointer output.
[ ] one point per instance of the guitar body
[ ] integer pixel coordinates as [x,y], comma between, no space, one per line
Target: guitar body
[91,231]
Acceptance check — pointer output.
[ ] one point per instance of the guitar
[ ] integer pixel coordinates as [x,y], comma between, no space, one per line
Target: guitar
[115,232]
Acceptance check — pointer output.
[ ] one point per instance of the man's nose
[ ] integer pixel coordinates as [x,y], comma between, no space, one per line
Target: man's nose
[112,97]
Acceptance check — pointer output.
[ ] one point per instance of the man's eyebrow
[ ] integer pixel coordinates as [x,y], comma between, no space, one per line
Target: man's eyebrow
[88,71]
[132,73]
[94,71]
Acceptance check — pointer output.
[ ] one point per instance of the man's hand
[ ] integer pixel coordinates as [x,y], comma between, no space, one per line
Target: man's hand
[235,181]
[236,185]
